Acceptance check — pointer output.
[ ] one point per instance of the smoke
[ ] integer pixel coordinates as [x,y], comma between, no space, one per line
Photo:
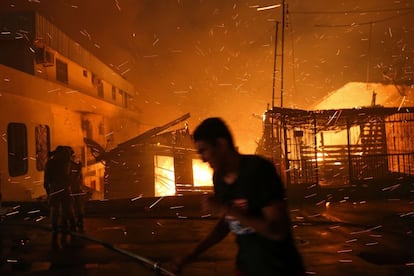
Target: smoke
[216,58]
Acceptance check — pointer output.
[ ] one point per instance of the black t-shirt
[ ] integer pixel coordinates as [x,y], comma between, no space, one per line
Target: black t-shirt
[256,186]
[56,175]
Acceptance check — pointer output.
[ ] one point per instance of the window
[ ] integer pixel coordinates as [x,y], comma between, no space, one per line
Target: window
[164,175]
[97,82]
[61,71]
[87,128]
[100,90]
[125,100]
[113,93]
[42,136]
[101,128]
[17,149]
[124,97]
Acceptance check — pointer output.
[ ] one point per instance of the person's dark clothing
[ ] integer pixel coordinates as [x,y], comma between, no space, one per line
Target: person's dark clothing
[56,183]
[256,186]
[77,193]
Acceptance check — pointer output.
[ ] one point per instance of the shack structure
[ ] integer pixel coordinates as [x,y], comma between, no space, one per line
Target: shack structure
[158,162]
[339,147]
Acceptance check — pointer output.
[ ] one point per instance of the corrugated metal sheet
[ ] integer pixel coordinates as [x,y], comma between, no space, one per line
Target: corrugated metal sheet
[56,39]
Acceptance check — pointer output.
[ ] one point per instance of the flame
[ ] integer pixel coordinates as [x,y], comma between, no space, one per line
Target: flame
[164,175]
[202,174]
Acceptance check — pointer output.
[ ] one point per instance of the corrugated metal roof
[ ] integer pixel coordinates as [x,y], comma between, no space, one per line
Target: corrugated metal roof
[34,27]
[334,119]
[58,40]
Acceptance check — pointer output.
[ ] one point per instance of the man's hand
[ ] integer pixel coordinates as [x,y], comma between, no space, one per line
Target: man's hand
[178,263]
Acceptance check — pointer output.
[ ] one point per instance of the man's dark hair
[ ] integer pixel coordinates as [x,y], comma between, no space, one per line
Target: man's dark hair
[211,129]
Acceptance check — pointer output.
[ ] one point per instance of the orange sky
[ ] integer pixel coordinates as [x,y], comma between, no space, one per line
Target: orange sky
[216,58]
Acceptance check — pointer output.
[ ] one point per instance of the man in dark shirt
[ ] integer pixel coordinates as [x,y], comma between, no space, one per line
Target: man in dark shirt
[250,200]
[56,183]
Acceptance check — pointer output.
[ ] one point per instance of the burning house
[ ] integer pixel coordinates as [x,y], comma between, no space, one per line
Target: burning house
[155,163]
[340,147]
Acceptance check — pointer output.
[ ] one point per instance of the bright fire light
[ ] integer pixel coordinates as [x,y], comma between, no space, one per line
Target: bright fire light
[202,173]
[164,175]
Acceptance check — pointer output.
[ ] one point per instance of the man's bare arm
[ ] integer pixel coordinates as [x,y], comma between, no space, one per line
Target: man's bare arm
[218,233]
[273,224]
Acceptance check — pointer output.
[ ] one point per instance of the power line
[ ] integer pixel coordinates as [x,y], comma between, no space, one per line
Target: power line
[363,23]
[354,11]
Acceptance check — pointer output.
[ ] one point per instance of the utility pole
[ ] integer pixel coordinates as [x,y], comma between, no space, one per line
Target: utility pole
[283,54]
[282,61]
[274,65]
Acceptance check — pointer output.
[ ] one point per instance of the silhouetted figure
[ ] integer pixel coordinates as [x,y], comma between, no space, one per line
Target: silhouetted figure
[77,192]
[56,183]
[249,198]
